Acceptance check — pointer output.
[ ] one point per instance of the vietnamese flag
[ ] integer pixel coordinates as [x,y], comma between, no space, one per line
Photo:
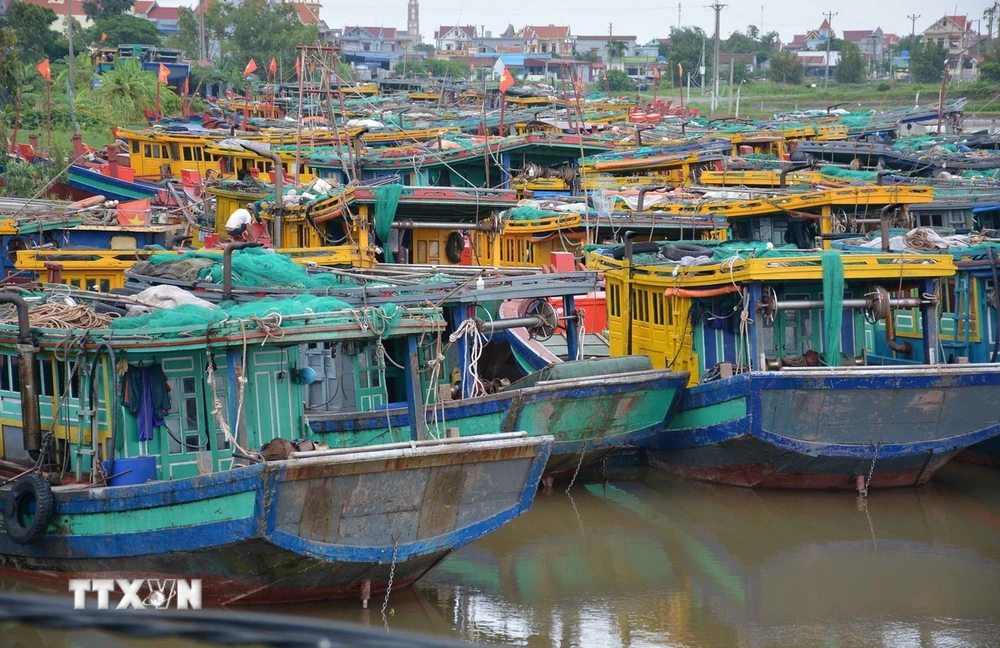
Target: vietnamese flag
[104,37]
[164,73]
[273,67]
[298,67]
[43,69]
[251,66]
[656,73]
[506,81]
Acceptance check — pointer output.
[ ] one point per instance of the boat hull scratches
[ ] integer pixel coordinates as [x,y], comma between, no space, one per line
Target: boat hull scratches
[823,432]
[302,529]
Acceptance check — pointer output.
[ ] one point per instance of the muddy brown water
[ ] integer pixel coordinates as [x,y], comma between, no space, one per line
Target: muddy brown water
[652,560]
[655,560]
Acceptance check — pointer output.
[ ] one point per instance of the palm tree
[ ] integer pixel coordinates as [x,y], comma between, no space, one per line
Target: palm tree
[617,48]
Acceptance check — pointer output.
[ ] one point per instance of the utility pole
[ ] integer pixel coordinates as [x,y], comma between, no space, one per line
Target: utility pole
[913,40]
[607,51]
[829,37]
[701,66]
[201,30]
[717,6]
[71,60]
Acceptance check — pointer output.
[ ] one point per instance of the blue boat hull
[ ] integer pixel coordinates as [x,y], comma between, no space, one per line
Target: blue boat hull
[302,529]
[587,418]
[95,183]
[826,428]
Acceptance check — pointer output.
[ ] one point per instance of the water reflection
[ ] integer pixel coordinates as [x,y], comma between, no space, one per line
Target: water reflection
[661,561]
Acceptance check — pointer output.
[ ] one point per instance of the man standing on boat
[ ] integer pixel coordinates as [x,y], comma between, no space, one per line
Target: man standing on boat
[238,223]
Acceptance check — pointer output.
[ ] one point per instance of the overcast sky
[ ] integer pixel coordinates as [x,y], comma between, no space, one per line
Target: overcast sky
[647,19]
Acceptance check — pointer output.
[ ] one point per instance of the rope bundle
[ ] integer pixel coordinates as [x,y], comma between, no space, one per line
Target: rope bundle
[63,316]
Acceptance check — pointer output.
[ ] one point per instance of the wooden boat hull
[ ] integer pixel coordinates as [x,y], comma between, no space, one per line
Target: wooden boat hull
[587,418]
[821,429]
[312,527]
[96,183]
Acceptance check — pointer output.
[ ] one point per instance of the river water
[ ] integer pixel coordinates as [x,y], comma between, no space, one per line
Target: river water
[654,560]
[647,559]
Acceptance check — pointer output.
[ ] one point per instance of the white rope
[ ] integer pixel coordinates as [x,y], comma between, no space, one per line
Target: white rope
[475,341]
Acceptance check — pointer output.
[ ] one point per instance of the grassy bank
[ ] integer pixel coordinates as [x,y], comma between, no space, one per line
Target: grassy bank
[62,139]
[761,99]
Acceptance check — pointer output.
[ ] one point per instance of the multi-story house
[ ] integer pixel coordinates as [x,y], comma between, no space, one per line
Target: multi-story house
[955,35]
[553,39]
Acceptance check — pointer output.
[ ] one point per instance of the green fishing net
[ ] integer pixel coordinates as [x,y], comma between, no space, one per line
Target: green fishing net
[833,305]
[252,268]
[190,316]
[386,202]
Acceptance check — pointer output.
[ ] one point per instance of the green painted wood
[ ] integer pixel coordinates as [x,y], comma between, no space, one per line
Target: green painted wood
[595,417]
[217,509]
[711,415]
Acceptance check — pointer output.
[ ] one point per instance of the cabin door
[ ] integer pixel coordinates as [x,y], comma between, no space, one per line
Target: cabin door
[273,401]
[192,436]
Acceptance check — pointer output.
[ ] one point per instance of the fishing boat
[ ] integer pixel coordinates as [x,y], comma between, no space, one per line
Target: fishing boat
[967,324]
[784,391]
[176,445]
[470,383]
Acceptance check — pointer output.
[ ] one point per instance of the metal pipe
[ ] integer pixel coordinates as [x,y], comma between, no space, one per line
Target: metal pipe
[278,206]
[227,266]
[504,324]
[628,246]
[808,304]
[783,177]
[484,226]
[883,217]
[31,417]
[642,195]
[176,239]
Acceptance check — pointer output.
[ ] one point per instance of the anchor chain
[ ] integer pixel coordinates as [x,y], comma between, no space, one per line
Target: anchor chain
[577,471]
[871,470]
[388,588]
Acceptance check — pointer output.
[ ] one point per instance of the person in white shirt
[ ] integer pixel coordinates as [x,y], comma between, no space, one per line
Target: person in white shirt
[238,223]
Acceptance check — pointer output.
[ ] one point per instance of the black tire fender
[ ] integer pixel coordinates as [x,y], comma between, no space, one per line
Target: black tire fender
[454,247]
[677,251]
[32,488]
[637,248]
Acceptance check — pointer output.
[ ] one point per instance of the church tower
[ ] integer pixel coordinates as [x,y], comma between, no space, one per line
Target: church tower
[413,20]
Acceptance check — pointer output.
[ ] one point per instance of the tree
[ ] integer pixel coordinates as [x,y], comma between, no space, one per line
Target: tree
[255,29]
[989,70]
[617,48]
[97,9]
[785,68]
[36,40]
[125,93]
[259,30]
[123,29]
[851,68]
[684,48]
[618,81]
[927,63]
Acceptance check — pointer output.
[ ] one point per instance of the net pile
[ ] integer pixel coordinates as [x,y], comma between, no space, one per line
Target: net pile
[252,268]
[190,316]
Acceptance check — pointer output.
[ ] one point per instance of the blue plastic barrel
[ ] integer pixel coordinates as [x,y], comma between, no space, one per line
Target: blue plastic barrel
[130,471]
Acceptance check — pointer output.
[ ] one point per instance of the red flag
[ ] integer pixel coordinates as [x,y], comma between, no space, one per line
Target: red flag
[43,69]
[251,66]
[104,37]
[185,86]
[164,72]
[656,73]
[273,67]
[298,67]
[506,81]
